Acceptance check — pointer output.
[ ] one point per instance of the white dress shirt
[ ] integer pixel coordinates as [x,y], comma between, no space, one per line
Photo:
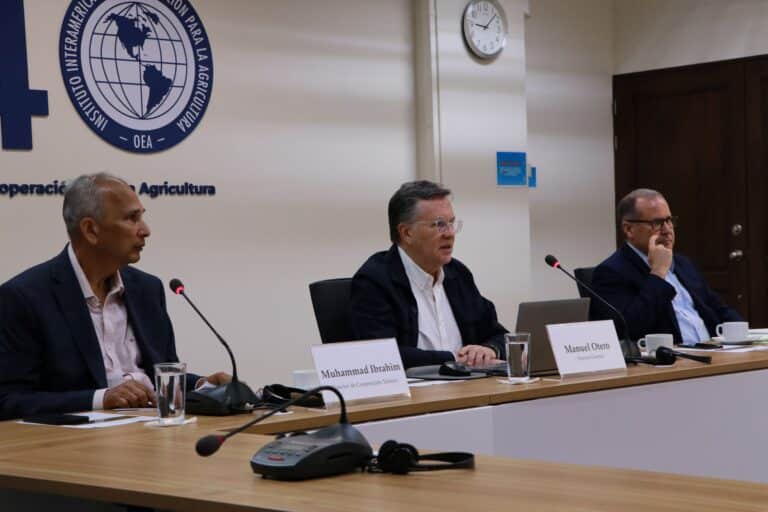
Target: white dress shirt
[438,329]
[119,351]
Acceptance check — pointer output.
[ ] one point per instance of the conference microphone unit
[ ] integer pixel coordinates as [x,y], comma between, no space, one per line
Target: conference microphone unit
[333,450]
[232,398]
[629,349]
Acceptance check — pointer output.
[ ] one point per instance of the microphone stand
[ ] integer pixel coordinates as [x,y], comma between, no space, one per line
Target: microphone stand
[628,347]
[237,395]
[208,445]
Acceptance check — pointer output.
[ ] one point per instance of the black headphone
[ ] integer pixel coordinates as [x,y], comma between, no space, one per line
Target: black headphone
[400,458]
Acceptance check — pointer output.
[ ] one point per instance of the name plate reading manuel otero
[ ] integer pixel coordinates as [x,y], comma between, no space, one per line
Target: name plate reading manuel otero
[361,370]
[586,347]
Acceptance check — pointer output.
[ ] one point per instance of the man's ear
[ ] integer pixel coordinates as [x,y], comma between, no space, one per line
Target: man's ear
[626,228]
[89,229]
[404,230]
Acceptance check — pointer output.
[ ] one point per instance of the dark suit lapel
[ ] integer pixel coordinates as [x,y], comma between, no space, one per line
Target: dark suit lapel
[400,280]
[451,286]
[136,316]
[72,304]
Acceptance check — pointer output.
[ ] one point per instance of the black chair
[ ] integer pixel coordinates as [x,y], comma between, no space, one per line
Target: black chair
[330,300]
[584,275]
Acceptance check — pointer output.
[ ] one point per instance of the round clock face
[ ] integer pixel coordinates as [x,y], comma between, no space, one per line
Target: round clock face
[485,28]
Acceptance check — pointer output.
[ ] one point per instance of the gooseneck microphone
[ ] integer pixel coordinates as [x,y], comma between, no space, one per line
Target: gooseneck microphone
[178,288]
[208,445]
[630,350]
[236,395]
[666,355]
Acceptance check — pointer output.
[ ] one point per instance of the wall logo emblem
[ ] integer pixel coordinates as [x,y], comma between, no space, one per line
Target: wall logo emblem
[139,73]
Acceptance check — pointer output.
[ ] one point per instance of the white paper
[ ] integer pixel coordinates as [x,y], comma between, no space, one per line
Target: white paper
[585,347]
[99,417]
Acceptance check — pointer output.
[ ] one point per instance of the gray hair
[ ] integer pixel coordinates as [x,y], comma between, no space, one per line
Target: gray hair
[627,206]
[82,198]
[402,205]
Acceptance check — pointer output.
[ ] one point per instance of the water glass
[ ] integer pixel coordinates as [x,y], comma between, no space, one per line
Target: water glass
[170,390]
[518,356]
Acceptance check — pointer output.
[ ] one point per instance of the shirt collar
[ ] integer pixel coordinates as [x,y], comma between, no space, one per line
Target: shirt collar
[645,257]
[85,286]
[416,274]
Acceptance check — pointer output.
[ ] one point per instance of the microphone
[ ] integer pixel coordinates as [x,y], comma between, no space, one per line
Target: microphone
[630,350]
[667,354]
[234,396]
[208,445]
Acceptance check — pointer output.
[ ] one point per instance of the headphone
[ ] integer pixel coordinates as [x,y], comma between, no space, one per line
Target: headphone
[400,458]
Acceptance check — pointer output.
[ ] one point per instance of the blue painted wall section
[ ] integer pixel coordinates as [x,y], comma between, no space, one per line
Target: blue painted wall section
[17,102]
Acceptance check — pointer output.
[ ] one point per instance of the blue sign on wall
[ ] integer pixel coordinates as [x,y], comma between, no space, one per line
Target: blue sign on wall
[511,169]
[18,103]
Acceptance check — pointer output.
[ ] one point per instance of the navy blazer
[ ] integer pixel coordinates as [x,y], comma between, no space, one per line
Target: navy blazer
[383,306]
[645,300]
[50,358]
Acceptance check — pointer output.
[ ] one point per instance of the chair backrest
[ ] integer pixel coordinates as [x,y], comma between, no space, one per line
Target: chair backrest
[330,300]
[584,275]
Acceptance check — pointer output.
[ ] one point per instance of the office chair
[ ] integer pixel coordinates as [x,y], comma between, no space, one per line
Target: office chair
[585,275]
[330,300]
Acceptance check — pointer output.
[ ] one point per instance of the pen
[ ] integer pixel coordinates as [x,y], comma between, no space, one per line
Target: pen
[111,418]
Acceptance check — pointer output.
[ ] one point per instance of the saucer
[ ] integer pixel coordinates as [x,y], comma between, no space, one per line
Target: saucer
[751,338]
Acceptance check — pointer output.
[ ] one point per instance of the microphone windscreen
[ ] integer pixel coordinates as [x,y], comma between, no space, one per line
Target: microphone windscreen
[176,286]
[550,260]
[208,445]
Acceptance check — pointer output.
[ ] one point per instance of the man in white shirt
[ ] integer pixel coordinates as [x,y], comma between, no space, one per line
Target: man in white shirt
[84,330]
[418,293]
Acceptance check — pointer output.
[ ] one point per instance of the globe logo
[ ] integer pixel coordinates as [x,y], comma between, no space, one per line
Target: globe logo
[139,60]
[139,72]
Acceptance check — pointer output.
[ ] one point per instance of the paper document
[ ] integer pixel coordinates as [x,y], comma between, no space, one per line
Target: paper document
[103,420]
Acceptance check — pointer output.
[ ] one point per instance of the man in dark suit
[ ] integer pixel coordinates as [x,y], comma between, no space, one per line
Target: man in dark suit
[83,330]
[418,293]
[657,290]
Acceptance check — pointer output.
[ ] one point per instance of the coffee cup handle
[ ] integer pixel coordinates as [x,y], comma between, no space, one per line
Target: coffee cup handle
[641,343]
[719,330]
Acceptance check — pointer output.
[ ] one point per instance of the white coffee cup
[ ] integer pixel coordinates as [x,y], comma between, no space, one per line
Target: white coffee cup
[653,341]
[733,331]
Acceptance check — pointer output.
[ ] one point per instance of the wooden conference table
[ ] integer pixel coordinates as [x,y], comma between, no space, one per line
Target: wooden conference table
[156,467]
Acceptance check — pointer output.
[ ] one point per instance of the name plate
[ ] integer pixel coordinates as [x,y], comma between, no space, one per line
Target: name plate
[586,347]
[361,369]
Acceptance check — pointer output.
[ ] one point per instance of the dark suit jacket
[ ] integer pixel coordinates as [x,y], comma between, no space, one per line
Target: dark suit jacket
[50,358]
[383,306]
[645,300]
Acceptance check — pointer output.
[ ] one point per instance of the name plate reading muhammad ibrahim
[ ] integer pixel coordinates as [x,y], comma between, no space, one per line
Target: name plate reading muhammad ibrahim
[361,369]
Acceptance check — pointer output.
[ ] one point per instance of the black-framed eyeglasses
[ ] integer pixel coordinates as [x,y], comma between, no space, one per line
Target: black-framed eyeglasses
[656,224]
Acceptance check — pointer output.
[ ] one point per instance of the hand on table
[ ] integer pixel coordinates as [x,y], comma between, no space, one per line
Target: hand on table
[476,355]
[130,393]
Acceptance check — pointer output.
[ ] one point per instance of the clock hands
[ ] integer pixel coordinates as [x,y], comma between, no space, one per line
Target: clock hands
[485,27]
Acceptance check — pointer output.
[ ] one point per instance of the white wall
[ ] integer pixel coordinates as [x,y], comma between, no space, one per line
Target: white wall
[309,131]
[482,111]
[568,84]
[653,34]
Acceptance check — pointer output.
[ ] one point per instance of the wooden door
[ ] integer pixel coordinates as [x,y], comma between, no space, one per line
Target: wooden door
[681,131]
[756,72]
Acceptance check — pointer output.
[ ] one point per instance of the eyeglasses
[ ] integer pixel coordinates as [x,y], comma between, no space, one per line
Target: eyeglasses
[442,225]
[656,224]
